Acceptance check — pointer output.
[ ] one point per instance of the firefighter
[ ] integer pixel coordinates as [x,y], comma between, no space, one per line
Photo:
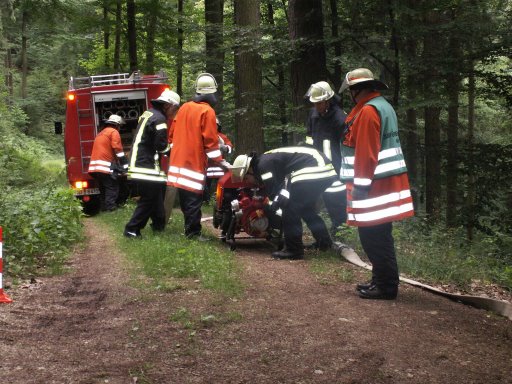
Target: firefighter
[194,142]
[214,172]
[374,170]
[149,144]
[294,179]
[324,127]
[108,161]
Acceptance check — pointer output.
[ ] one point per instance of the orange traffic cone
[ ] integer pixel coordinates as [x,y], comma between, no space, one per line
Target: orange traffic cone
[3,297]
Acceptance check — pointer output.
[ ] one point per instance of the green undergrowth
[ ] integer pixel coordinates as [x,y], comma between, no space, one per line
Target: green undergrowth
[170,261]
[435,255]
[39,216]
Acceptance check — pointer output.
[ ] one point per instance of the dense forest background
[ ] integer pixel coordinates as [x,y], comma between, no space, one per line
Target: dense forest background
[448,64]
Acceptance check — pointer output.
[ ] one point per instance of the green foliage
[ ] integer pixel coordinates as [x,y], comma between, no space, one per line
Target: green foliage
[40,219]
[437,255]
[169,256]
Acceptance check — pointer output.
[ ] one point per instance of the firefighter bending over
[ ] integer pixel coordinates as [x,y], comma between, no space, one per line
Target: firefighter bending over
[151,142]
[294,178]
[194,141]
[108,161]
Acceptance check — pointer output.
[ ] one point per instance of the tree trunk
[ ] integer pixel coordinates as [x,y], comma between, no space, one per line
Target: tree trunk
[336,45]
[214,39]
[281,86]
[431,56]
[106,34]
[453,88]
[179,57]
[470,202]
[151,31]
[24,48]
[117,44]
[132,35]
[248,77]
[309,64]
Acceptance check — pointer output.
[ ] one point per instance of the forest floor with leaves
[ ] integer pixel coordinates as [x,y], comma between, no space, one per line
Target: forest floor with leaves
[96,324]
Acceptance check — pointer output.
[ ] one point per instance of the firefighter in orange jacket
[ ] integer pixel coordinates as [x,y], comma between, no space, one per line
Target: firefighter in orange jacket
[374,170]
[107,154]
[194,141]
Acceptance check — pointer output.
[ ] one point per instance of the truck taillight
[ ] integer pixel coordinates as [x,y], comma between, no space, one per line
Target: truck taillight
[71,96]
[81,184]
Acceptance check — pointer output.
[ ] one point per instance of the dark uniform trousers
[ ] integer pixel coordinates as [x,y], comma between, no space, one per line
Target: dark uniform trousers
[190,204]
[336,206]
[150,205]
[378,244]
[109,190]
[302,205]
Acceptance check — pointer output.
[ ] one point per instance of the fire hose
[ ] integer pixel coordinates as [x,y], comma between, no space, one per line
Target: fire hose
[500,307]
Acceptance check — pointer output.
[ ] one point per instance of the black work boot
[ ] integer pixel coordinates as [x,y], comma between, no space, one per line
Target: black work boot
[286,254]
[365,286]
[377,293]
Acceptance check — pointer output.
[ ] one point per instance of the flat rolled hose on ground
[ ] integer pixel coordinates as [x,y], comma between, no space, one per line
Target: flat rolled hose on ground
[503,308]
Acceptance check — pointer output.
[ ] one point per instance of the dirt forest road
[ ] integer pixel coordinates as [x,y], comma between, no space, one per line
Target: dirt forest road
[92,325]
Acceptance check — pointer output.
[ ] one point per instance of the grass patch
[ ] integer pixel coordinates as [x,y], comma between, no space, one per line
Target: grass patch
[169,259]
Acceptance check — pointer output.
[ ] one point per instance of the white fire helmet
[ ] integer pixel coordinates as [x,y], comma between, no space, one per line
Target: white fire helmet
[240,167]
[169,97]
[361,78]
[320,91]
[206,83]
[115,119]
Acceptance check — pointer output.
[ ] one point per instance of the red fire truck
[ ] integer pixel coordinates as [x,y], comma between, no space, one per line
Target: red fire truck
[90,101]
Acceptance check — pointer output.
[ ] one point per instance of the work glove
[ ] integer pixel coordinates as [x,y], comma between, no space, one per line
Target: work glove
[224,165]
[360,193]
[225,149]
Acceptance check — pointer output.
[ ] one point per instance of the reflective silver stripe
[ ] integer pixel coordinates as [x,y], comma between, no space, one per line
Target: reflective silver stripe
[382,214]
[100,162]
[309,140]
[185,182]
[266,176]
[211,174]
[161,126]
[146,171]
[347,172]
[390,153]
[314,176]
[284,193]
[337,186]
[384,199]
[309,151]
[214,169]
[349,160]
[279,212]
[135,148]
[362,182]
[386,167]
[214,154]
[186,172]
[99,168]
[120,154]
[166,149]
[140,176]
[327,149]
[312,170]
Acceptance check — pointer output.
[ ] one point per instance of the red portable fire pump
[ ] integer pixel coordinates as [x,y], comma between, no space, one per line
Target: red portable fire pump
[90,101]
[239,208]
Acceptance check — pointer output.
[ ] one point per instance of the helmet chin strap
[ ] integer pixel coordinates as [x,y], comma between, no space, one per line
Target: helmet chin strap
[354,94]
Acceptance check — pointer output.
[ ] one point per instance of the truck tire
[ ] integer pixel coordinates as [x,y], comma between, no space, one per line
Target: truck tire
[92,207]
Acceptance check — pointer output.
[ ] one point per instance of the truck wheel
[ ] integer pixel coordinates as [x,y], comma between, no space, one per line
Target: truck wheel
[92,207]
